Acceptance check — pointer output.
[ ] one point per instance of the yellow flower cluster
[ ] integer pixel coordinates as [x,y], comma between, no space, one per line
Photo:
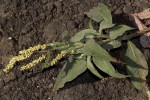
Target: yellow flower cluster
[30,65]
[14,60]
[58,57]
[23,54]
[32,49]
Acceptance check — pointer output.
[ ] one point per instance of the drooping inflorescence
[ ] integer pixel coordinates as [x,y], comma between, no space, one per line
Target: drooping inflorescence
[33,63]
[23,54]
[58,57]
[32,49]
[15,59]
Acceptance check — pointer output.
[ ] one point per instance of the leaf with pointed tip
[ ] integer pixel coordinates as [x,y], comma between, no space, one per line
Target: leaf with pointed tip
[91,48]
[105,25]
[136,66]
[92,68]
[94,14]
[80,35]
[99,13]
[69,72]
[117,31]
[105,12]
[112,45]
[107,67]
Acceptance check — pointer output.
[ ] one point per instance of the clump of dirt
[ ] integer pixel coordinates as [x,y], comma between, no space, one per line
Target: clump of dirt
[25,23]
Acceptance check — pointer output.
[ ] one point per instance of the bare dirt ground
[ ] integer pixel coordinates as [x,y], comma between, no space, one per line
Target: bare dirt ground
[25,23]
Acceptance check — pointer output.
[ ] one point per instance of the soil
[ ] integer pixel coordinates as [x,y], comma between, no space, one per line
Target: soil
[25,23]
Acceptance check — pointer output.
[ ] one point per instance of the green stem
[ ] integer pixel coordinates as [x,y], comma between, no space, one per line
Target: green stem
[138,33]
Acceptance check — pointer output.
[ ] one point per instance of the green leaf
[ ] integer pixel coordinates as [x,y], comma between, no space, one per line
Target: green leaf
[92,68]
[136,66]
[106,66]
[80,35]
[111,45]
[118,31]
[94,14]
[69,72]
[93,49]
[105,25]
[89,36]
[105,13]
[100,13]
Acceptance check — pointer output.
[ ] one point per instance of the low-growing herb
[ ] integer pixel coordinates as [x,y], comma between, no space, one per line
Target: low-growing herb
[89,50]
